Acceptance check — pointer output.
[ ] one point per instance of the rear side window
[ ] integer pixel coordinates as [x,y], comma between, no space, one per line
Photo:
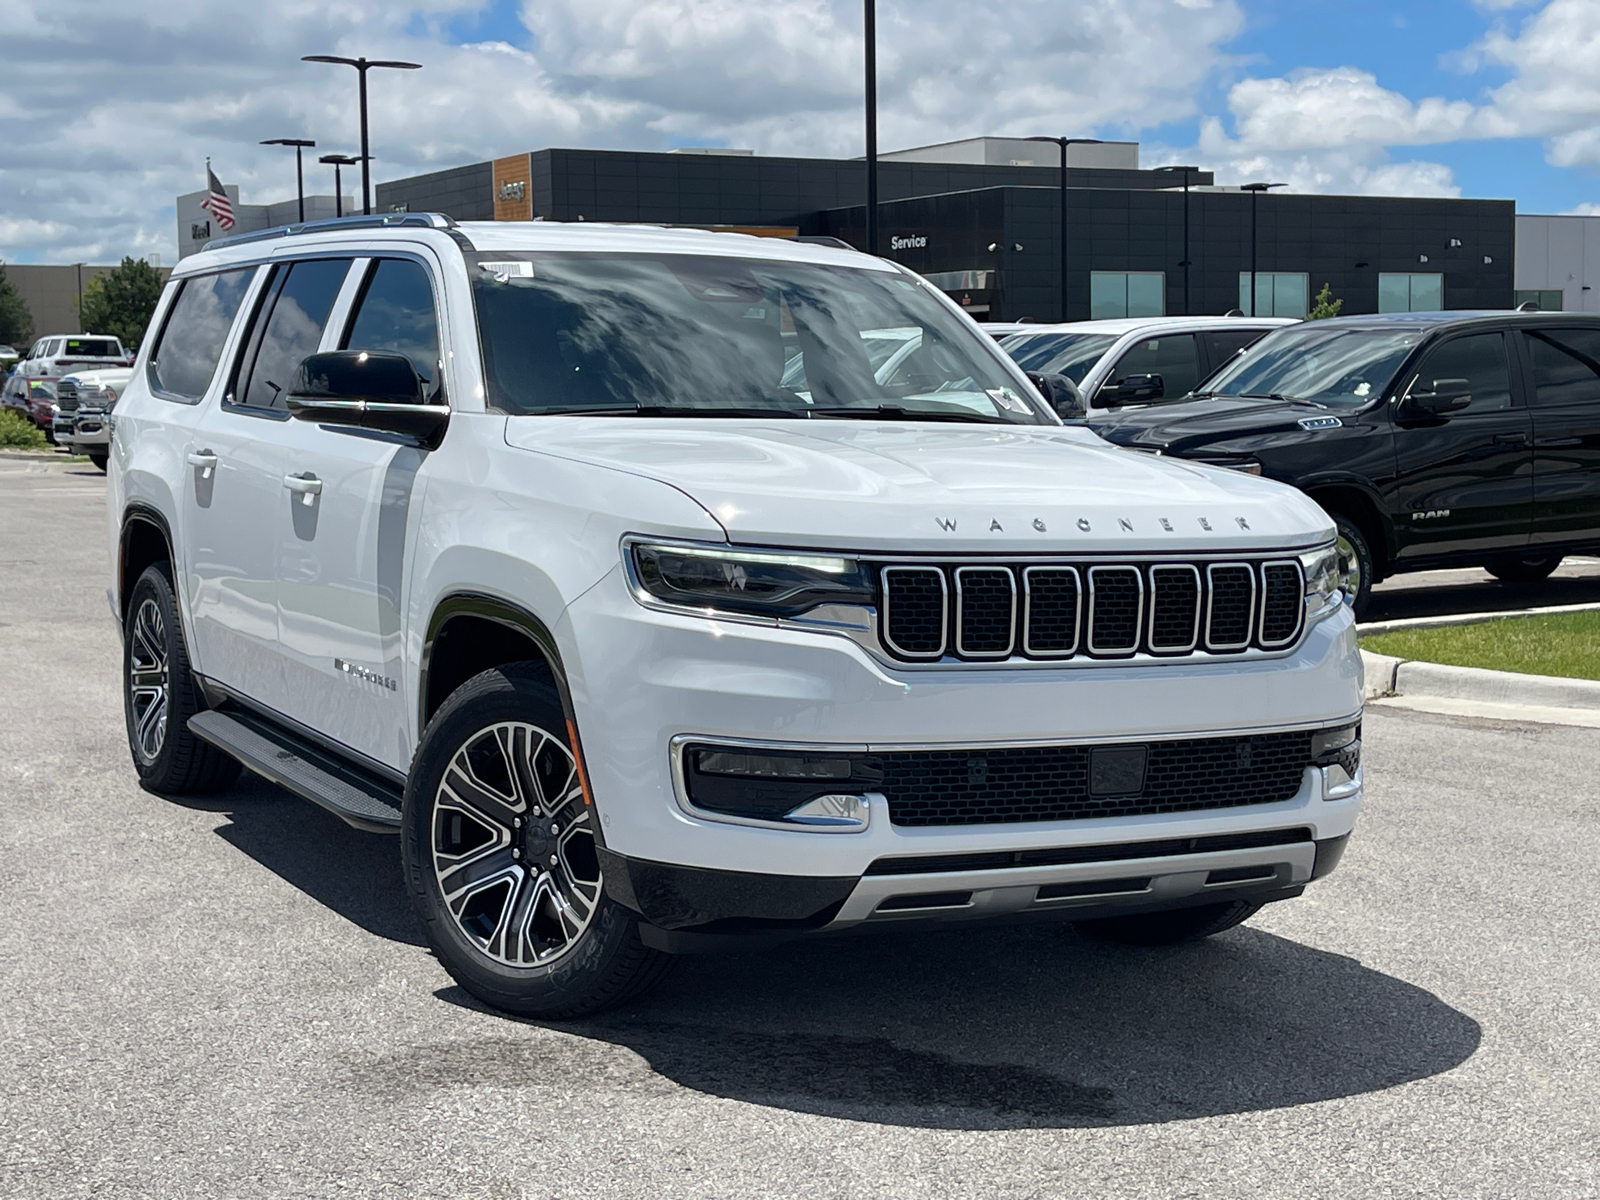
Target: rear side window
[1225,343]
[396,313]
[186,357]
[1481,361]
[1566,366]
[288,328]
[1174,358]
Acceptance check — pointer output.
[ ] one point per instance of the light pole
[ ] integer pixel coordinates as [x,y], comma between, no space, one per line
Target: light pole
[299,144]
[1064,142]
[336,161]
[1185,264]
[362,66]
[869,22]
[1255,190]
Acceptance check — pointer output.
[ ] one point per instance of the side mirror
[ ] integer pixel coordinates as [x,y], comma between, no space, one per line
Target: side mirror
[1445,396]
[1135,389]
[1061,394]
[366,389]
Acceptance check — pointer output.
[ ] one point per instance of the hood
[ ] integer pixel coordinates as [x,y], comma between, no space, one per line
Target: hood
[1177,427]
[945,488]
[116,377]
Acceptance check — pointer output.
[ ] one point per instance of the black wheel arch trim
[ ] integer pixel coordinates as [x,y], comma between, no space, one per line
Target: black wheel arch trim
[518,619]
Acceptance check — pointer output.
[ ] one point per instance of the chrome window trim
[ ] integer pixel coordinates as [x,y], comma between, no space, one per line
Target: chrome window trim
[1027,611]
[1211,595]
[1199,595]
[1011,640]
[1300,606]
[944,611]
[1138,617]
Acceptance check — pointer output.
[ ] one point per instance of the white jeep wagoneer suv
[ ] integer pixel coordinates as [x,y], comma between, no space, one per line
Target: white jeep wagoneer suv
[667,590]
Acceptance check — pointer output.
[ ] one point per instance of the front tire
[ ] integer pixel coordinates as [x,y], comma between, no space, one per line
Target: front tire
[1355,563]
[1527,568]
[159,695]
[1169,928]
[499,848]
[98,461]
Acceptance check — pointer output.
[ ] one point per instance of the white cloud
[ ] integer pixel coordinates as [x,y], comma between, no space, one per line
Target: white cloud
[111,110]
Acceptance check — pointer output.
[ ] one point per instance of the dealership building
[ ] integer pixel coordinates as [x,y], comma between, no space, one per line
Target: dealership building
[982,218]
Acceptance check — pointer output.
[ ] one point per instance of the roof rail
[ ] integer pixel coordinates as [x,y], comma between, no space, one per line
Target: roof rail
[328,224]
[821,239]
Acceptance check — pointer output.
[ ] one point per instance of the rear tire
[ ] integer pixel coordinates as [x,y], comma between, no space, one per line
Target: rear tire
[159,695]
[1169,928]
[1527,568]
[498,841]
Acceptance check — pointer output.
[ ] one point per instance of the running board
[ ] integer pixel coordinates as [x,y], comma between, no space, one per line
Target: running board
[353,796]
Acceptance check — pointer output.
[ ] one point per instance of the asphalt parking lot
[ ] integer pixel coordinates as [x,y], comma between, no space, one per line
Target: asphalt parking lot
[229,997]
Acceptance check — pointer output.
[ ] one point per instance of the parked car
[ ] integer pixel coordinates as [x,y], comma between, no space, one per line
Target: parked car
[9,357]
[1136,360]
[1433,439]
[34,399]
[83,407]
[511,539]
[56,355]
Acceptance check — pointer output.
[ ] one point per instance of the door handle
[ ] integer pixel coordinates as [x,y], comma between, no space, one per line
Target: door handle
[1510,439]
[308,486]
[205,460]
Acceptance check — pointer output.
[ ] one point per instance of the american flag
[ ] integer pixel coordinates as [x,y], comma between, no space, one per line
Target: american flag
[217,203]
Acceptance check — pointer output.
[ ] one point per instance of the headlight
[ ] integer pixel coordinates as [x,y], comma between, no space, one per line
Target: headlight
[758,582]
[1247,466]
[1321,568]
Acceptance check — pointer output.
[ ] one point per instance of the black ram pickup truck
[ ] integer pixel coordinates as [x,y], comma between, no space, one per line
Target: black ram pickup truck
[1433,439]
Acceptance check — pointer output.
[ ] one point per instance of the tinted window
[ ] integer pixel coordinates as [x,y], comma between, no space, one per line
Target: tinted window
[621,332]
[1172,357]
[1566,366]
[93,348]
[1331,364]
[1480,360]
[1225,343]
[395,313]
[1069,354]
[191,342]
[289,328]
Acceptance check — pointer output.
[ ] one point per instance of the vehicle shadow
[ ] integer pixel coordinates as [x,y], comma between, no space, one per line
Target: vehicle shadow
[982,1028]
[1490,595]
[355,874]
[999,1029]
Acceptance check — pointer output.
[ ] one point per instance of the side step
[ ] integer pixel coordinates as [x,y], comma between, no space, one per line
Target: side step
[353,796]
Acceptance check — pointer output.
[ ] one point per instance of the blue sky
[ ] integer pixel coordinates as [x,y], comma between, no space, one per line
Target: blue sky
[1492,98]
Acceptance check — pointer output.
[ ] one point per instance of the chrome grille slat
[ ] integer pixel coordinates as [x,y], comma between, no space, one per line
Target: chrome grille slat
[993,612]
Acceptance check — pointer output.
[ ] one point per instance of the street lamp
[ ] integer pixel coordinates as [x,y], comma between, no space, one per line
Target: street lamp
[869,34]
[362,66]
[1185,264]
[299,172]
[1064,142]
[1255,190]
[336,161]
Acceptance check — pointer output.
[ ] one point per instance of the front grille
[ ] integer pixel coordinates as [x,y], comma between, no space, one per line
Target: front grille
[66,396]
[1099,610]
[1055,783]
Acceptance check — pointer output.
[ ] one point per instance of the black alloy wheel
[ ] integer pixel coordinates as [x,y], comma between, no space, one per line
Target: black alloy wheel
[1523,568]
[1169,928]
[160,694]
[499,845]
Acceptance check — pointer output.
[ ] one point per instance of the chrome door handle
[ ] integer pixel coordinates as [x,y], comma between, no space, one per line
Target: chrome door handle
[309,487]
[205,460]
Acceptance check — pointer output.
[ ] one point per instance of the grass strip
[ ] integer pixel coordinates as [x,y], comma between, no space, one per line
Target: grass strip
[1563,644]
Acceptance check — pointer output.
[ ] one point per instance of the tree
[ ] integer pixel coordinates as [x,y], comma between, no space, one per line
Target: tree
[1325,306]
[16,322]
[121,301]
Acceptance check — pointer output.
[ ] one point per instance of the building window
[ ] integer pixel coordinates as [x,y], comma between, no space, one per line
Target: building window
[1127,294]
[1548,299]
[1410,293]
[1278,293]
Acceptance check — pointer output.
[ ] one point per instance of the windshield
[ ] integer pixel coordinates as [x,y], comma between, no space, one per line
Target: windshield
[629,333]
[1069,354]
[1336,367]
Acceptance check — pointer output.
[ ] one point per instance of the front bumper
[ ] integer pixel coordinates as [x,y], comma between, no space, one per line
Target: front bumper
[88,432]
[642,679]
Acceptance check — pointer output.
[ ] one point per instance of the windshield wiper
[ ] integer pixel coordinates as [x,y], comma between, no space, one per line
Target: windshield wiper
[894,412]
[670,410]
[1281,398]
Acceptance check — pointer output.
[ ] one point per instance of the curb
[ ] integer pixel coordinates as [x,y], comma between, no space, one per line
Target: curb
[1477,618]
[1386,676]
